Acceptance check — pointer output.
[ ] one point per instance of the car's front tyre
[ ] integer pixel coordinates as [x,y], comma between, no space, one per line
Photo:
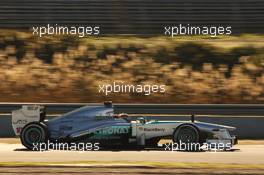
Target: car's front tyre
[187,137]
[33,134]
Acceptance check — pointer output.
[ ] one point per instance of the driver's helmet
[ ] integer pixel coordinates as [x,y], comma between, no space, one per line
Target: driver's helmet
[142,120]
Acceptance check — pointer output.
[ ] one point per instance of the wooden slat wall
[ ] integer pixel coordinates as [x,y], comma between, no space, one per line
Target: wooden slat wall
[134,16]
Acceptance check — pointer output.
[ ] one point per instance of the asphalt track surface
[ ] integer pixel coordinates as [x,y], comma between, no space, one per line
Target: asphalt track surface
[242,154]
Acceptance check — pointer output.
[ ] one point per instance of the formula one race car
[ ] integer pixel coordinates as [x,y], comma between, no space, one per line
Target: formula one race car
[100,124]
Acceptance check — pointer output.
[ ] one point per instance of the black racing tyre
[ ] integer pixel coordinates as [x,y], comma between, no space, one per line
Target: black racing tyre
[33,134]
[187,137]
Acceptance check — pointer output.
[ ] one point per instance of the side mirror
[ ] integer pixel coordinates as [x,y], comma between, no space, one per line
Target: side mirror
[192,118]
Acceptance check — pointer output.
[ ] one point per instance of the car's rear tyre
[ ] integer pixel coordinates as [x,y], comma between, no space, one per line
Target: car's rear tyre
[187,137]
[33,134]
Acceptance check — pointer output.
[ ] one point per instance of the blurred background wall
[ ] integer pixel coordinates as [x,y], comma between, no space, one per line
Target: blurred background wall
[134,16]
[195,69]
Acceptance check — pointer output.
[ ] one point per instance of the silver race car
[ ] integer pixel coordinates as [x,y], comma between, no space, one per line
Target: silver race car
[100,124]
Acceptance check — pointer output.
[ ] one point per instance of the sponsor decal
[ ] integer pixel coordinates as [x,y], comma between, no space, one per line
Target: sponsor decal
[113,130]
[18,122]
[154,129]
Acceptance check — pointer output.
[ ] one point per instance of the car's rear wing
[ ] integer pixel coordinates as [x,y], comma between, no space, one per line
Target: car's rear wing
[25,115]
